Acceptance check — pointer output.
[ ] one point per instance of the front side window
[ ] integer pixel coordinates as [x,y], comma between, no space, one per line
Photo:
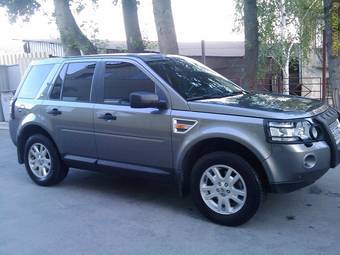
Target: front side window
[78,81]
[123,78]
[191,79]
[34,80]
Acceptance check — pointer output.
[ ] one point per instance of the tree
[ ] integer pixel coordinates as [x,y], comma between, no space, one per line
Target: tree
[332,21]
[251,44]
[167,40]
[285,27]
[72,38]
[294,30]
[133,35]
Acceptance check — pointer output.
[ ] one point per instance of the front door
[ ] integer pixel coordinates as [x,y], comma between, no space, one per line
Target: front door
[69,111]
[126,135]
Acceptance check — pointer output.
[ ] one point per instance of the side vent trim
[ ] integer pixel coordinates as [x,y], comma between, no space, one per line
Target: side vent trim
[183,126]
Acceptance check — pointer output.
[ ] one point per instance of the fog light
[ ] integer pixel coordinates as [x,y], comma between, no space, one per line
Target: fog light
[314,133]
[309,161]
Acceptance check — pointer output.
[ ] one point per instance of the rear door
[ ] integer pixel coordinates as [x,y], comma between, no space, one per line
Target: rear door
[69,110]
[133,136]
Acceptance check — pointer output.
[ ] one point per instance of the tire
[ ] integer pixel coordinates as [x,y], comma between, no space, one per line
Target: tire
[218,204]
[47,169]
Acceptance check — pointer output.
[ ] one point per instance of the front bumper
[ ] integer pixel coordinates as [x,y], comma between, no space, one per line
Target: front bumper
[293,166]
[307,179]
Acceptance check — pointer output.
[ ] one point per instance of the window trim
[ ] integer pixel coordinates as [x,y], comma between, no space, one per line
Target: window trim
[53,84]
[99,87]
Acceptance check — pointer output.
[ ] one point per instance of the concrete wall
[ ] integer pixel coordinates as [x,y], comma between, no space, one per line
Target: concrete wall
[14,77]
[9,77]
[4,83]
[9,81]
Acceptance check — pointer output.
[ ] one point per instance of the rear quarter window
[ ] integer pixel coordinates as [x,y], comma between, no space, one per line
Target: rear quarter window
[34,80]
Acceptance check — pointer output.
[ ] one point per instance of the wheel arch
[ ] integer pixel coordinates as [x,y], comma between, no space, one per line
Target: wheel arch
[25,133]
[208,145]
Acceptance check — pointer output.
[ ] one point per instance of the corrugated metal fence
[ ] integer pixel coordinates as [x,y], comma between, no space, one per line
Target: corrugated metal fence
[22,59]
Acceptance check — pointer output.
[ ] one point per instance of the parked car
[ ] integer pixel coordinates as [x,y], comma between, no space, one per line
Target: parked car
[172,117]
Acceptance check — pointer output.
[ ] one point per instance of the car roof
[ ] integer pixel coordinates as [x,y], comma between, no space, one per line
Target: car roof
[142,56]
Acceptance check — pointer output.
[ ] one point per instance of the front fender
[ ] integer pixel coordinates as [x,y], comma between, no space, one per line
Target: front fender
[252,139]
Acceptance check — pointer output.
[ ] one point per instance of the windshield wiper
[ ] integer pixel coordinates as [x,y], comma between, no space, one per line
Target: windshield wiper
[214,95]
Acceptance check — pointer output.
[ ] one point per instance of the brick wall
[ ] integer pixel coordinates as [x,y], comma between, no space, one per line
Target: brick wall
[230,67]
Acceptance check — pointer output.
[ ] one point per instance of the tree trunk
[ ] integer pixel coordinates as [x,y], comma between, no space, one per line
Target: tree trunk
[285,70]
[133,35]
[166,33]
[72,38]
[283,33]
[285,78]
[251,35]
[332,15]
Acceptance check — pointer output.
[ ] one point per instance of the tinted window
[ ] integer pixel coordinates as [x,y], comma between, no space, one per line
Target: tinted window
[55,93]
[193,80]
[34,80]
[121,79]
[77,84]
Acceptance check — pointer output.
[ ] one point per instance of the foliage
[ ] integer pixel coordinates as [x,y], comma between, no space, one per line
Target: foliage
[22,8]
[277,40]
[91,29]
[80,5]
[335,24]
[149,45]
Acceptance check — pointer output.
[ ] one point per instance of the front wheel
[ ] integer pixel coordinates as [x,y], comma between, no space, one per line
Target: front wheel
[226,188]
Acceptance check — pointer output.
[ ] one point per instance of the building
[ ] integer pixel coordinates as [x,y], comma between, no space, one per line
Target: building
[225,57]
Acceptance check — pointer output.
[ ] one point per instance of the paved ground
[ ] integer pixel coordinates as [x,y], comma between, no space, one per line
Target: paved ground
[92,213]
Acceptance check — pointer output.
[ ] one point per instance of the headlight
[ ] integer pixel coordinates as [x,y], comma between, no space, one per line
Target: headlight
[292,131]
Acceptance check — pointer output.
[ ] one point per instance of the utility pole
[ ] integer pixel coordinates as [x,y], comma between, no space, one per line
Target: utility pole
[203,51]
[324,66]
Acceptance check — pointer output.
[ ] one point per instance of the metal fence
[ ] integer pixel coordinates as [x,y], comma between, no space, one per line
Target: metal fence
[310,87]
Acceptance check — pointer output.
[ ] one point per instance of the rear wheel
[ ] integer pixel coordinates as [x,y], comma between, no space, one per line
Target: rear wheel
[225,188]
[42,161]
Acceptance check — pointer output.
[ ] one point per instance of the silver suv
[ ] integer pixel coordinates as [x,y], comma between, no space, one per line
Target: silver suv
[171,117]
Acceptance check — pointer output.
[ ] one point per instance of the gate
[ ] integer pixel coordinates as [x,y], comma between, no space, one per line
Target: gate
[310,87]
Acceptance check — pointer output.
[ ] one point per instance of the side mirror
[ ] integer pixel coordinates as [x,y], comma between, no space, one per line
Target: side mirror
[143,99]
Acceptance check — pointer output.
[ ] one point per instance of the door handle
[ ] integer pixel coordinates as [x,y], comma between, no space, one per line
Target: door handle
[107,116]
[54,112]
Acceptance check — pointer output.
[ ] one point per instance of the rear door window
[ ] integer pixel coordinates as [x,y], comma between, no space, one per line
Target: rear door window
[78,82]
[34,80]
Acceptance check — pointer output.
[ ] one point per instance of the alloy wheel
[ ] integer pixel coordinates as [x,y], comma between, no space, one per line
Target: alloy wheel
[223,189]
[39,160]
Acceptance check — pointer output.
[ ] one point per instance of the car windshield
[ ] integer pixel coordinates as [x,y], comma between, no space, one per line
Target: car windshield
[193,80]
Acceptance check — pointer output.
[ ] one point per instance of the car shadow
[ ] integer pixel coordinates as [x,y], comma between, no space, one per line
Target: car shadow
[164,194]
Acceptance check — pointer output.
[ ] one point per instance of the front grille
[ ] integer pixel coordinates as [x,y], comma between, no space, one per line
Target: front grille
[335,130]
[329,116]
[329,122]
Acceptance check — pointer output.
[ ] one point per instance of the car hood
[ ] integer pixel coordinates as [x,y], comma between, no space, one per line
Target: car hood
[261,105]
